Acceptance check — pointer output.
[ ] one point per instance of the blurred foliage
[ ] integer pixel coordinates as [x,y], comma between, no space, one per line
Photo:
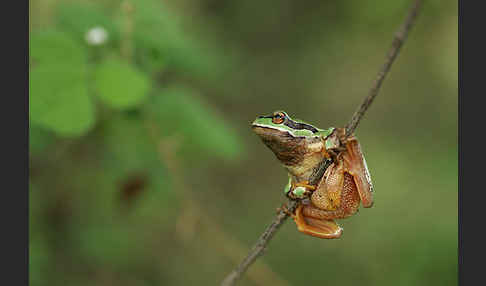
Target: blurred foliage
[180,106]
[57,84]
[143,167]
[119,85]
[77,18]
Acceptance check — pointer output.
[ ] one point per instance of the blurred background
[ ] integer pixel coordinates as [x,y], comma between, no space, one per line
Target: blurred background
[144,169]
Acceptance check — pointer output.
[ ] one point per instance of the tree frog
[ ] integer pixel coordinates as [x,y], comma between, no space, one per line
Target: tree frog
[301,148]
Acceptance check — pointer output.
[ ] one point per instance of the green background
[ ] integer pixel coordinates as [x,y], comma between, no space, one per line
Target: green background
[144,169]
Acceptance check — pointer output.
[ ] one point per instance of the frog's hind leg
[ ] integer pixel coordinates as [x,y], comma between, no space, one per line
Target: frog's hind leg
[316,227]
[356,167]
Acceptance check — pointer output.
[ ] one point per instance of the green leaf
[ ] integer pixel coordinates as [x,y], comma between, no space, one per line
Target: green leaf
[121,86]
[58,95]
[180,111]
[57,48]
[68,111]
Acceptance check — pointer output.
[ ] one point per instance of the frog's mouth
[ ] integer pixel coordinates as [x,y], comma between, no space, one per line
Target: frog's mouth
[272,134]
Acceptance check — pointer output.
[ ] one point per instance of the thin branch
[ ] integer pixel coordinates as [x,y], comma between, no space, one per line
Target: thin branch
[267,235]
[397,43]
[259,247]
[270,231]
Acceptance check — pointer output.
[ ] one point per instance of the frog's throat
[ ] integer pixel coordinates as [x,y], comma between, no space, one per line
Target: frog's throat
[288,149]
[289,155]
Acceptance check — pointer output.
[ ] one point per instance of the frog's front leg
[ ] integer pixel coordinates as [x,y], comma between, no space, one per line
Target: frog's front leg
[298,190]
[321,228]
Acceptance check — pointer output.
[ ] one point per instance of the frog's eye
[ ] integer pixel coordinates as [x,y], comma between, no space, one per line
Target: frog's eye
[278,117]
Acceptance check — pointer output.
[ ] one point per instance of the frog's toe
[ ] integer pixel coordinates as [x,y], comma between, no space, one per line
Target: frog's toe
[321,228]
[306,185]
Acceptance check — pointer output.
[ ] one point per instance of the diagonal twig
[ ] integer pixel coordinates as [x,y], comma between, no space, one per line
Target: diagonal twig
[264,239]
[398,40]
[259,247]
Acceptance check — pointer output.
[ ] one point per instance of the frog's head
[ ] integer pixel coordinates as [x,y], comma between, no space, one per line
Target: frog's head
[289,139]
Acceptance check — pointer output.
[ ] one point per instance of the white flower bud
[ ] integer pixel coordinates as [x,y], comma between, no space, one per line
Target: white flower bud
[96,36]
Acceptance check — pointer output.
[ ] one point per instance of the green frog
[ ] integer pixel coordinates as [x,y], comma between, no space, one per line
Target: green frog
[302,148]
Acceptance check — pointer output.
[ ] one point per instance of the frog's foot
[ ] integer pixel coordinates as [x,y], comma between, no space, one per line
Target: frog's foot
[284,209]
[293,196]
[304,184]
[300,190]
[335,144]
[316,227]
[328,154]
[341,135]
[333,153]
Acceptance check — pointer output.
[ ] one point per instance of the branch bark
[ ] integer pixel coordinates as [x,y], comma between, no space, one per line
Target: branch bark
[259,247]
[398,41]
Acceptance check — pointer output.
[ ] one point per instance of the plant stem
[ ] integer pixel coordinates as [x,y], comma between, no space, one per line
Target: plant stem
[398,40]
